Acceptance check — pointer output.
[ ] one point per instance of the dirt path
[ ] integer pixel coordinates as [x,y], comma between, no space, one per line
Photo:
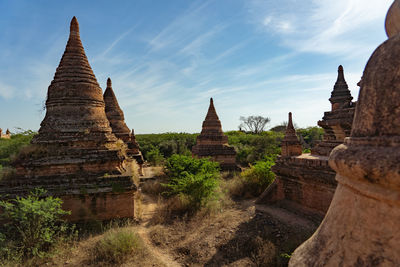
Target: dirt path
[149,206]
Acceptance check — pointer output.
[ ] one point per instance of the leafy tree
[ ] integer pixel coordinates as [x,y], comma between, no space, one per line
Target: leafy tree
[31,225]
[310,136]
[254,124]
[194,179]
[154,156]
[254,147]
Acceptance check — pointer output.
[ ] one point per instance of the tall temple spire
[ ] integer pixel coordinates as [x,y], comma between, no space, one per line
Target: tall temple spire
[114,113]
[340,96]
[212,113]
[74,102]
[74,28]
[116,118]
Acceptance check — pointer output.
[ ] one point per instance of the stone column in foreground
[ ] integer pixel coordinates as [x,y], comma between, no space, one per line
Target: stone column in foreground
[362,225]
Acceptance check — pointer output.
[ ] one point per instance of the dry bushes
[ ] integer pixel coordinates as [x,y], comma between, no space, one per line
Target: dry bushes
[116,246]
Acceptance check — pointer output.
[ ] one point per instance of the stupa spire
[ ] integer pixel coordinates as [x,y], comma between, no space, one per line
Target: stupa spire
[290,144]
[74,27]
[114,113]
[212,113]
[213,143]
[74,102]
[340,95]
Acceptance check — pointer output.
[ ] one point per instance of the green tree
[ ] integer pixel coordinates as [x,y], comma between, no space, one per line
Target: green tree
[194,179]
[31,225]
[154,156]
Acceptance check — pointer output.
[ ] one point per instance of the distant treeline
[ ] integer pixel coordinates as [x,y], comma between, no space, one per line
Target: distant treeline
[157,147]
[249,147]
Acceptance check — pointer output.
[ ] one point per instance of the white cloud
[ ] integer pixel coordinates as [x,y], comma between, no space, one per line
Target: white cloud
[329,27]
[6,91]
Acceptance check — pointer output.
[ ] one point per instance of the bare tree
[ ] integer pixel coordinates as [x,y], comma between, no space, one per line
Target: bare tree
[254,124]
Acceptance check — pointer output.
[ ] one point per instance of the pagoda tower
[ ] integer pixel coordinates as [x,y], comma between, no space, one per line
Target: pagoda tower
[213,143]
[75,154]
[337,122]
[361,227]
[291,145]
[119,128]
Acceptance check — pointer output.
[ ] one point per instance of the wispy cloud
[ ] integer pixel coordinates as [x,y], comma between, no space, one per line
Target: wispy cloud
[327,27]
[6,91]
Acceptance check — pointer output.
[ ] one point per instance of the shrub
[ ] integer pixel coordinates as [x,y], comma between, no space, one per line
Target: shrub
[193,179]
[259,176]
[155,157]
[32,225]
[11,147]
[116,246]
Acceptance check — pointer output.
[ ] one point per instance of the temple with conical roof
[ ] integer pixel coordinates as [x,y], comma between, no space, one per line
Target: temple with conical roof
[291,145]
[305,183]
[337,122]
[75,155]
[213,143]
[361,227]
[119,128]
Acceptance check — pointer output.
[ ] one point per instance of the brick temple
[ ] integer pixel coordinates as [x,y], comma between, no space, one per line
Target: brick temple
[75,155]
[213,143]
[115,115]
[305,183]
[361,227]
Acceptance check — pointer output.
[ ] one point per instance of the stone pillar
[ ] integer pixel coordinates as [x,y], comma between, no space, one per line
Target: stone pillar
[362,226]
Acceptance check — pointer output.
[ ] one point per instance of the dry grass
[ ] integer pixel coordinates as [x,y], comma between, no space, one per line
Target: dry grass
[134,172]
[153,187]
[115,247]
[138,205]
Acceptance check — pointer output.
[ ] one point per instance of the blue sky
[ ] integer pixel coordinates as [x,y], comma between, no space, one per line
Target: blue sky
[167,58]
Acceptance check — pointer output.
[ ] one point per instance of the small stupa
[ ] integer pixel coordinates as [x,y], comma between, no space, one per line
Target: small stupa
[75,155]
[119,128]
[361,227]
[291,145]
[213,143]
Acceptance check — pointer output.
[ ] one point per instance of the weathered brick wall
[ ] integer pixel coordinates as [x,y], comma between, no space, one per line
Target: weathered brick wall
[307,183]
[102,206]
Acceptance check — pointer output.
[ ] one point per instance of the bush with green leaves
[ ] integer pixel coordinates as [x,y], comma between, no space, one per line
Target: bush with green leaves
[31,225]
[155,157]
[259,176]
[192,178]
[11,147]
